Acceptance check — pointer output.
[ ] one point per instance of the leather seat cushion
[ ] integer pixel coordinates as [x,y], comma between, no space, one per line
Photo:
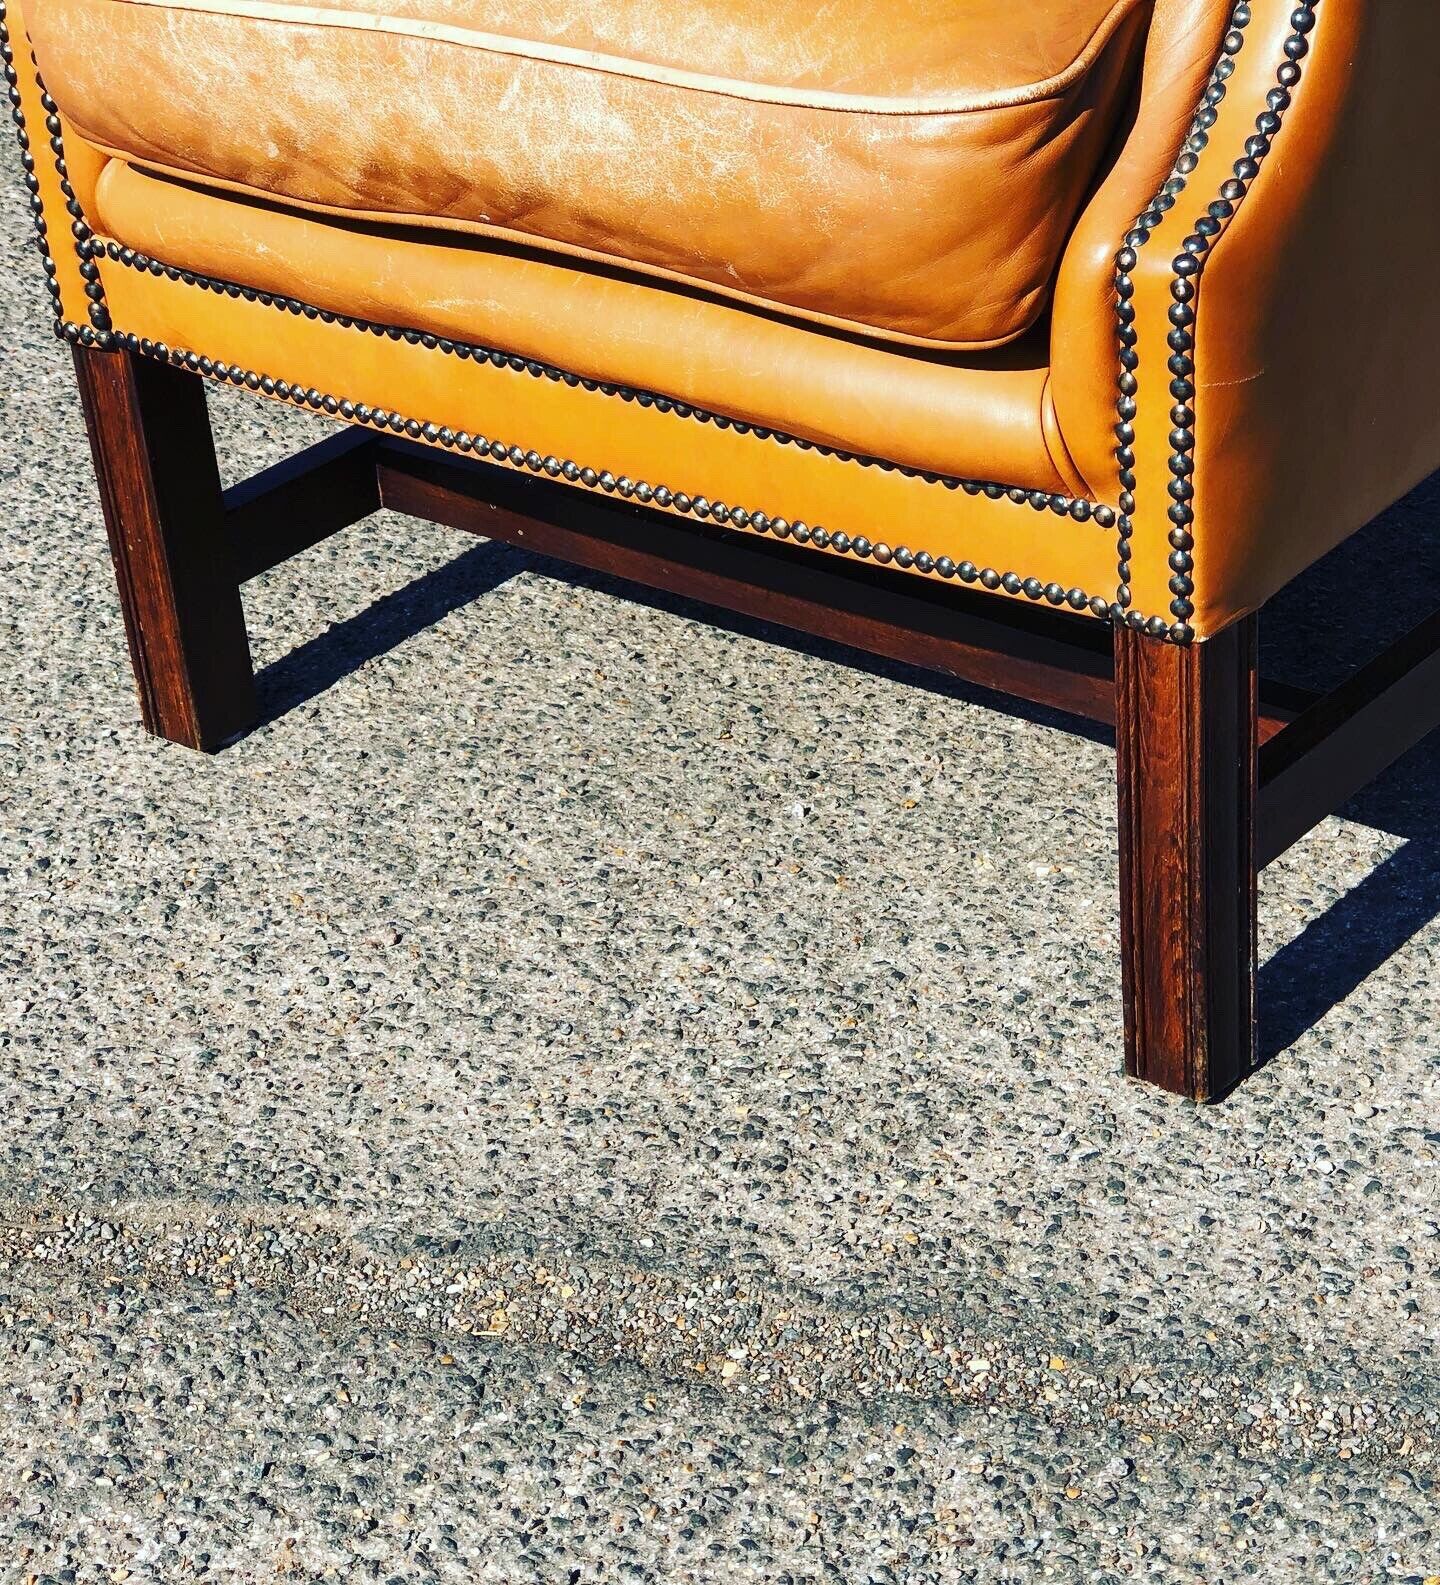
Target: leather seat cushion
[978,414]
[912,170]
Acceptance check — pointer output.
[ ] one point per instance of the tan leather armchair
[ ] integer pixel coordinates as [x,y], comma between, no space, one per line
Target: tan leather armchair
[1040,344]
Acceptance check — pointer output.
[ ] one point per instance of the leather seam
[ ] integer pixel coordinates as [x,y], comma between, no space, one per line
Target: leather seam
[1035,302]
[1040,92]
[1052,438]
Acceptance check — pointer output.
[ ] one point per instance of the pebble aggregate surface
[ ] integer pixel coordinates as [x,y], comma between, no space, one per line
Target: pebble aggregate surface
[585,1094]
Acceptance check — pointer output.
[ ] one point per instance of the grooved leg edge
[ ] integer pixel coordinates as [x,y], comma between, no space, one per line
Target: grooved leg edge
[160,490]
[1186,760]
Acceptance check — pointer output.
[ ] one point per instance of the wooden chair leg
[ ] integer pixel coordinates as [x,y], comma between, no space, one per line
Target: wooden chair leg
[1186,741]
[160,488]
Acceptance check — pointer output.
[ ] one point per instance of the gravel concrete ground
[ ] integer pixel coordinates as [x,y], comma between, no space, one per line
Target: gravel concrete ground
[582,1094]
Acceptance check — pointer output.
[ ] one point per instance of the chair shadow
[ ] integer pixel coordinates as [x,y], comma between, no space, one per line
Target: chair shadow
[1335,954]
[318,664]
[1330,620]
[1315,631]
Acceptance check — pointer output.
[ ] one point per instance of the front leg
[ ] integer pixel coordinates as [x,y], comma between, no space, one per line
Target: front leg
[1186,751]
[160,488]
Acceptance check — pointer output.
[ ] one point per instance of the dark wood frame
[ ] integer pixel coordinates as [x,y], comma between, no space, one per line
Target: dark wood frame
[1218,774]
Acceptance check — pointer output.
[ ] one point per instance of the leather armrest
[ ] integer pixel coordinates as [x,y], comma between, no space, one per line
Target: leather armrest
[1310,313]
[53,193]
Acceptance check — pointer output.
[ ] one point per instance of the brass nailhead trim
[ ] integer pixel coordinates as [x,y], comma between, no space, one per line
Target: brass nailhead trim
[515,456]
[1081,510]
[1187,268]
[755,521]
